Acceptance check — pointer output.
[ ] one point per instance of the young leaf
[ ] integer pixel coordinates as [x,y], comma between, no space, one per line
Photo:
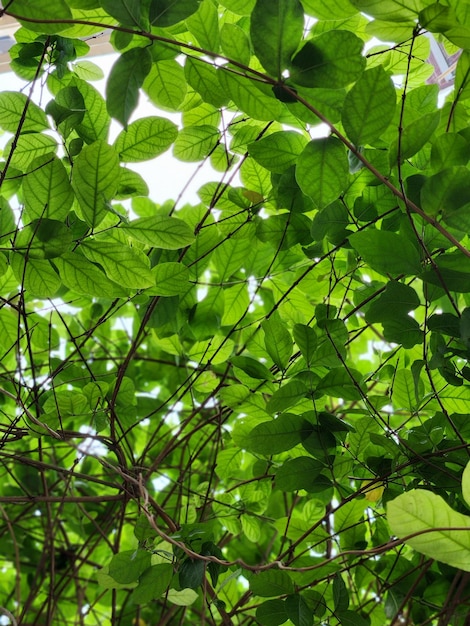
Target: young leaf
[145,139]
[439,532]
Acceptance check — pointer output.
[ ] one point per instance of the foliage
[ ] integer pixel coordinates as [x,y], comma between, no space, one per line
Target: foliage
[253,408]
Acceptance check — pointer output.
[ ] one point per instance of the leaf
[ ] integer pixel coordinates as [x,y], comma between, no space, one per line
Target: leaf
[369,106]
[298,610]
[165,84]
[333,59]
[203,78]
[204,25]
[253,99]
[253,368]
[12,107]
[47,190]
[299,473]
[251,528]
[394,10]
[441,533]
[126,567]
[153,583]
[125,79]
[322,170]
[275,436]
[164,13]
[171,279]
[96,121]
[95,180]
[278,341]
[235,43]
[126,266]
[288,395]
[184,597]
[276,30]
[191,573]
[145,139]
[342,383]
[272,613]
[414,137]
[270,583]
[37,276]
[195,142]
[127,12]
[84,277]
[387,252]
[167,233]
[48,14]
[466,484]
[28,148]
[279,151]
[335,10]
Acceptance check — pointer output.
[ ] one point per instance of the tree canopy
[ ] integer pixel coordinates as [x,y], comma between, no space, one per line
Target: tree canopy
[252,408]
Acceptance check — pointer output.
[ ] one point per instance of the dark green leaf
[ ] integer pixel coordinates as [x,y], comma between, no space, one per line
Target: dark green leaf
[386,252]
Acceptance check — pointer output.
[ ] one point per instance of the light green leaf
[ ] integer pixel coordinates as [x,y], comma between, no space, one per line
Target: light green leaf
[306,338]
[369,107]
[96,121]
[387,252]
[165,84]
[276,30]
[322,170]
[168,233]
[466,484]
[95,180]
[171,279]
[342,383]
[204,25]
[203,78]
[252,98]
[126,266]
[441,533]
[126,567]
[235,43]
[334,10]
[12,107]
[153,583]
[86,70]
[127,12]
[84,277]
[37,276]
[184,597]
[393,10]
[145,139]
[29,147]
[125,79]
[414,137]
[279,151]
[195,142]
[251,528]
[47,189]
[164,13]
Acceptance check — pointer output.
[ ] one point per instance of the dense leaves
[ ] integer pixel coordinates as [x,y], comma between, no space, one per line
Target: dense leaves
[235,314]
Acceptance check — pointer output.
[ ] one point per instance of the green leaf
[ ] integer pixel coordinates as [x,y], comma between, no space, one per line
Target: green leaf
[37,276]
[47,189]
[204,25]
[184,597]
[145,139]
[168,233]
[195,142]
[322,170]
[125,79]
[165,84]
[419,512]
[153,583]
[288,395]
[298,610]
[394,10]
[306,338]
[95,123]
[171,279]
[333,59]
[84,277]
[272,613]
[466,484]
[12,107]
[127,12]
[95,180]
[252,98]
[28,148]
[334,10]
[126,567]
[279,151]
[275,436]
[48,14]
[43,239]
[414,137]
[276,30]
[235,43]
[270,583]
[253,368]
[164,13]
[342,383]
[369,107]
[387,252]
[278,341]
[191,573]
[128,267]
[299,473]
[340,593]
[203,78]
